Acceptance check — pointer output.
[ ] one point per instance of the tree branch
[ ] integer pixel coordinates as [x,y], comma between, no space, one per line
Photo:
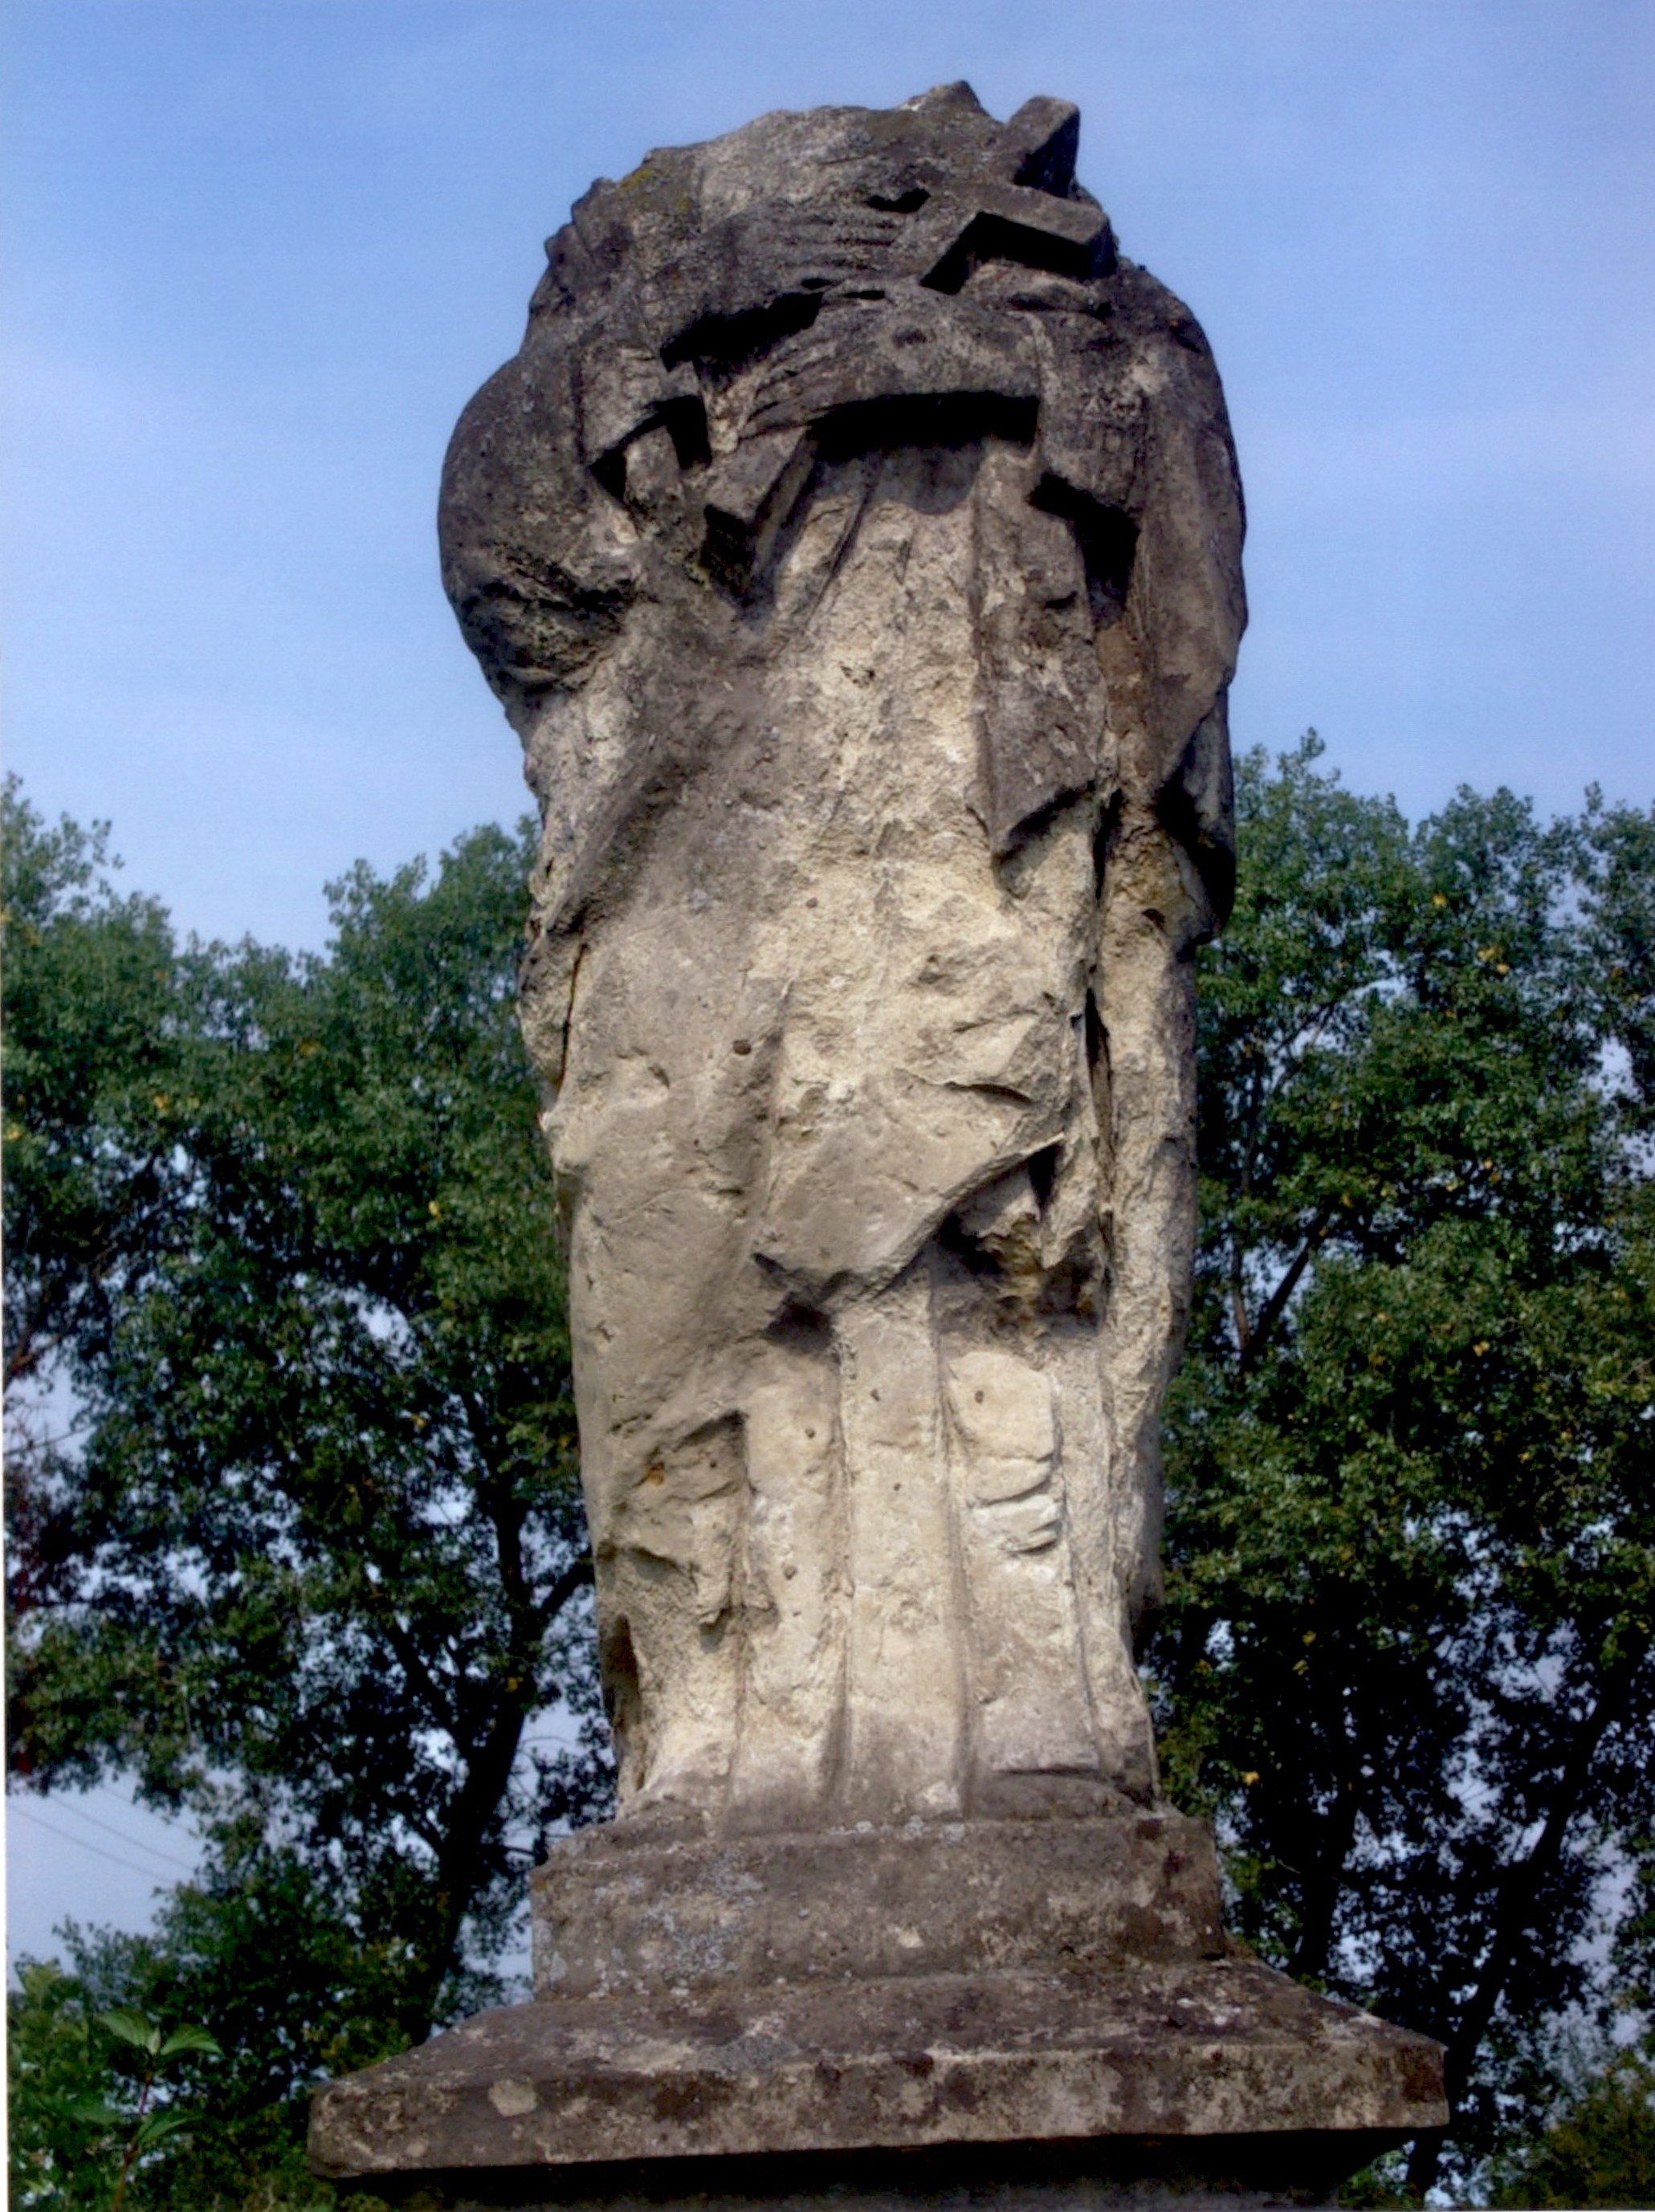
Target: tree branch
[1519,1891]
[1275,1306]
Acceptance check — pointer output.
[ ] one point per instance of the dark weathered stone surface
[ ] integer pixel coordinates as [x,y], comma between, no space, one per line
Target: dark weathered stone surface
[1006,1982]
[1222,2048]
[1209,2173]
[620,1911]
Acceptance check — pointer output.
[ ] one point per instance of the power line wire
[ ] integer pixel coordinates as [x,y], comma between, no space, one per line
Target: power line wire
[66,1836]
[79,1813]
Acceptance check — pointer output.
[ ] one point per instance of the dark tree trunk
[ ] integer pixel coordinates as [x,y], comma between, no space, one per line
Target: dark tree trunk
[1520,1893]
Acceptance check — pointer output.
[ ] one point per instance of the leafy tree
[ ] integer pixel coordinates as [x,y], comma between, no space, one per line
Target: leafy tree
[83,2126]
[1597,2147]
[1406,1658]
[280,1241]
[280,1236]
[295,1995]
[87,994]
[53,2058]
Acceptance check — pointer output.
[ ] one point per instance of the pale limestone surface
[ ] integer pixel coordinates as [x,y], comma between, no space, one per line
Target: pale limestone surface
[854,543]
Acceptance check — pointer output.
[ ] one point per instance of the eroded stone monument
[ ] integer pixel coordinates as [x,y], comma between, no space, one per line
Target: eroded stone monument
[854,544]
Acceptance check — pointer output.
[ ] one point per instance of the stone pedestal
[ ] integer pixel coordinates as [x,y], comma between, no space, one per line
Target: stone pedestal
[983,2012]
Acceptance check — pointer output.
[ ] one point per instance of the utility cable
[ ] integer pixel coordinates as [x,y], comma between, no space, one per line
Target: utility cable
[79,1813]
[66,1836]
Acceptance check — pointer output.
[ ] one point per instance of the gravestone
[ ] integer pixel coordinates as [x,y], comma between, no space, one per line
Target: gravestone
[854,544]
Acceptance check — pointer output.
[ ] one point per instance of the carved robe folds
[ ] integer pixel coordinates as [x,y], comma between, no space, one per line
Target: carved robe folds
[854,543]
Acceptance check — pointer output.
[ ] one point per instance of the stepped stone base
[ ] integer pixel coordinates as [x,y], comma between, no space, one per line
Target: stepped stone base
[628,1910]
[978,2014]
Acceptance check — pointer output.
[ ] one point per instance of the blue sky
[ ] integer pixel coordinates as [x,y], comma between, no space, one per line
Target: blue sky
[261,251]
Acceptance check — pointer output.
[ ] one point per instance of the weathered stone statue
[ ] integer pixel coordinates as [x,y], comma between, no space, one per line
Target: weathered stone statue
[854,543]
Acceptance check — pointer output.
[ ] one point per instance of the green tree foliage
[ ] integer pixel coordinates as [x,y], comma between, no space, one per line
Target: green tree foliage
[297,1542]
[92,2095]
[89,978]
[295,1995]
[305,1555]
[1597,2147]
[1406,1657]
